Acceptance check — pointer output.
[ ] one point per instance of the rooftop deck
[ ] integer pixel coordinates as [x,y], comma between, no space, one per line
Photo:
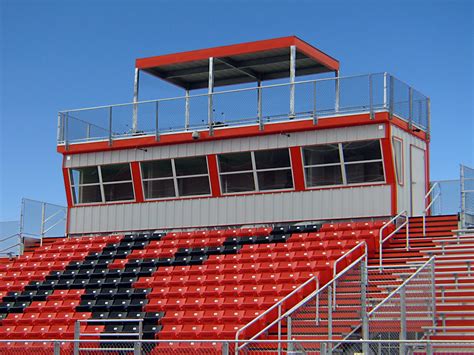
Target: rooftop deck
[259,106]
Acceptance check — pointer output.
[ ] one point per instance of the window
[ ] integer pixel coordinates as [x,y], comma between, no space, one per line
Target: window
[255,171]
[343,163]
[398,157]
[105,183]
[175,177]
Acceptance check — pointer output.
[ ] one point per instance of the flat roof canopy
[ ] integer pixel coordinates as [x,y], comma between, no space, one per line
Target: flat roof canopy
[238,63]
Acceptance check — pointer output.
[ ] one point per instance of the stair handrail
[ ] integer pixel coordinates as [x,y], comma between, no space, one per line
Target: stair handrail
[427,208]
[10,254]
[342,257]
[276,305]
[9,237]
[313,294]
[382,240]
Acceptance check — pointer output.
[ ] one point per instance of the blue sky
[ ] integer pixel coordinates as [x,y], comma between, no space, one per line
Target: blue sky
[57,54]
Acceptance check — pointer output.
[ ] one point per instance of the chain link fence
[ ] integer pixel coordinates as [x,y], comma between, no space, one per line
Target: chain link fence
[227,347]
[10,241]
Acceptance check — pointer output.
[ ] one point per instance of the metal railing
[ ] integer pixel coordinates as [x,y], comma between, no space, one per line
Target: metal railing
[311,99]
[429,201]
[398,226]
[467,197]
[310,308]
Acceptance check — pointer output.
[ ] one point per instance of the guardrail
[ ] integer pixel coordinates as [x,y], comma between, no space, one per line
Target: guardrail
[313,99]
[389,223]
[430,203]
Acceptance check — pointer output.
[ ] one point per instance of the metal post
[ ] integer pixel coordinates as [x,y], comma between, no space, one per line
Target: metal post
[186,111]
[210,91]
[385,90]
[410,107]
[403,320]
[363,300]
[77,330]
[323,348]
[329,317]
[259,105]
[110,126]
[60,133]
[292,80]
[392,93]
[225,348]
[66,131]
[22,226]
[407,227]
[428,118]
[137,348]
[371,98]
[317,302]
[315,115]
[57,348]
[135,100]
[433,291]
[88,131]
[279,329]
[43,208]
[289,335]
[338,92]
[463,198]
[157,131]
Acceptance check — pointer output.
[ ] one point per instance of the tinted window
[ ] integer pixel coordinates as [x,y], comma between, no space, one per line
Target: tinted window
[89,175]
[116,172]
[323,176]
[235,162]
[362,150]
[157,169]
[321,154]
[268,159]
[191,166]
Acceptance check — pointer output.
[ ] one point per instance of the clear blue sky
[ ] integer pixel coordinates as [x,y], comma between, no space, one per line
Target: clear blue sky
[58,54]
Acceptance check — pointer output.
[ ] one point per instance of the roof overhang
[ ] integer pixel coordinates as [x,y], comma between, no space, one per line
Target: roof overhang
[238,63]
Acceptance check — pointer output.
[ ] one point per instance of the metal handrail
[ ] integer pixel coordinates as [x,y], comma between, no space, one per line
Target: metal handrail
[342,257]
[386,299]
[313,294]
[10,247]
[381,240]
[9,237]
[427,208]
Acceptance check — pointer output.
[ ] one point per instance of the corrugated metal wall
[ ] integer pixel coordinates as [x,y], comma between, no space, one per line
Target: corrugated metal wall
[404,191]
[233,210]
[228,145]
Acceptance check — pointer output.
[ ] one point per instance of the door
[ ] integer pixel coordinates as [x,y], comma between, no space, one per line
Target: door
[418,181]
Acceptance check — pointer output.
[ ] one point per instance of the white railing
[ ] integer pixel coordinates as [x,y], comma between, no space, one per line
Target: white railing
[430,203]
[382,240]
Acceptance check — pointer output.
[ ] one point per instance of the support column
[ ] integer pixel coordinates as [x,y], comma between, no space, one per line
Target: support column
[210,92]
[135,100]
[292,80]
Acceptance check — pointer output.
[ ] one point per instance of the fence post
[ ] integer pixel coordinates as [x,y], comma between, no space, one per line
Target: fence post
[433,291]
[463,198]
[157,131]
[77,330]
[225,348]
[57,348]
[410,107]
[137,348]
[292,80]
[428,118]
[385,106]
[22,226]
[363,300]
[110,125]
[289,346]
[210,91]
[315,116]
[43,208]
[403,320]
[391,97]
[329,317]
[371,98]
[186,111]
[323,348]
[259,106]
[279,329]
[66,131]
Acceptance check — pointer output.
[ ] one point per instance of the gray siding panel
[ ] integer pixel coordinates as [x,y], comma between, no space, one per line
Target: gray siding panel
[229,145]
[355,202]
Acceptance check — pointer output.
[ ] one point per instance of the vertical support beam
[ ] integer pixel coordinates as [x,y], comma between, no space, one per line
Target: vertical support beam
[186,111]
[110,126]
[338,92]
[259,106]
[135,100]
[363,301]
[385,96]
[292,80]
[371,98]
[428,119]
[210,107]
[157,130]
[315,115]
[403,320]
[410,107]
[289,345]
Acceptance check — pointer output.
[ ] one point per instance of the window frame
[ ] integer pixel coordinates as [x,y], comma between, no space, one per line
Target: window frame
[254,171]
[101,184]
[342,163]
[175,179]
[400,179]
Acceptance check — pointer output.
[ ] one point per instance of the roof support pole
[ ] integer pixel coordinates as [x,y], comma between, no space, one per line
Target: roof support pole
[292,80]
[338,92]
[135,100]
[186,111]
[259,105]
[210,91]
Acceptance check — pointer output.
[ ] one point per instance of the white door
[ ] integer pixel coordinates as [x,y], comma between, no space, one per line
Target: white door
[418,181]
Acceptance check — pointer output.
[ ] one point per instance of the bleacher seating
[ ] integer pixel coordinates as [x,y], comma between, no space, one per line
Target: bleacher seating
[200,284]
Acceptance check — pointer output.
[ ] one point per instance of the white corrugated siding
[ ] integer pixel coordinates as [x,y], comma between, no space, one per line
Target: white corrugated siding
[354,202]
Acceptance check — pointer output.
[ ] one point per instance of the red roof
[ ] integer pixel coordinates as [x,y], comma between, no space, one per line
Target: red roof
[238,63]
